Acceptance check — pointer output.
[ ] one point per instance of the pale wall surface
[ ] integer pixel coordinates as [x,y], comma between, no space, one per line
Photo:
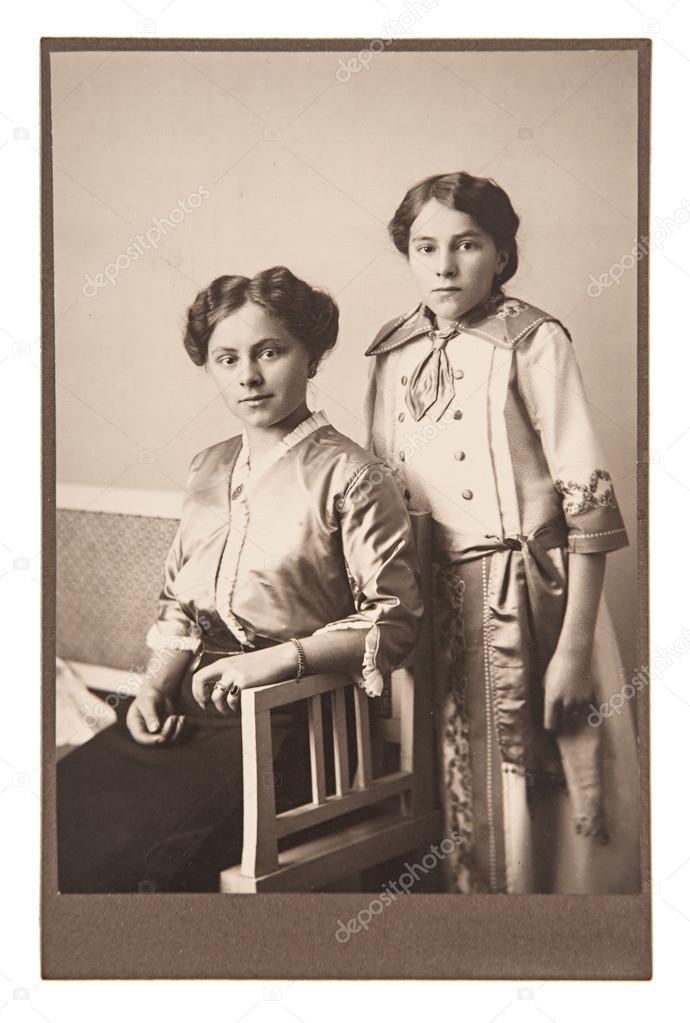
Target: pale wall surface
[305,169]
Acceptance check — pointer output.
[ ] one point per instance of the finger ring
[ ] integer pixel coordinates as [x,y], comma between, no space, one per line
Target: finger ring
[234,689]
[223,689]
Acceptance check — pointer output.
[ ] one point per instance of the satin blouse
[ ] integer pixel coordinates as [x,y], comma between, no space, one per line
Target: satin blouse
[315,538]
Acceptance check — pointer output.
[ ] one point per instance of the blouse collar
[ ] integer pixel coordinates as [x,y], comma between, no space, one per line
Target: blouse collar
[313,422]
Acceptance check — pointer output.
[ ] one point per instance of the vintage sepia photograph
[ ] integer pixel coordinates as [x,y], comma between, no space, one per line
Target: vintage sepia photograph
[348,433]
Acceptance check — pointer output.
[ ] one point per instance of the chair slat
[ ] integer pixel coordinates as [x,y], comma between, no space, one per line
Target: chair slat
[316,751]
[340,751]
[364,772]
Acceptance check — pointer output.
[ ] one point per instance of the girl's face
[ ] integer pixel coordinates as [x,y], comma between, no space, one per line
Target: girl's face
[453,260]
[259,368]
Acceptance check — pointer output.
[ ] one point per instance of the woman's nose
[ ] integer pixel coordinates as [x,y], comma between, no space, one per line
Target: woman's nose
[250,375]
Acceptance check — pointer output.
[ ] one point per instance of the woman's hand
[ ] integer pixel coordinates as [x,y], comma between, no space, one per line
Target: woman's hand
[151,718]
[222,682]
[567,688]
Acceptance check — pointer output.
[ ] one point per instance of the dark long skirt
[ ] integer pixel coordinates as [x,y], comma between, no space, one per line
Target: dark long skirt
[135,818]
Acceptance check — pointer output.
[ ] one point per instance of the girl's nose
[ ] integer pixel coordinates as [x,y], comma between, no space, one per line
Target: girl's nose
[446,264]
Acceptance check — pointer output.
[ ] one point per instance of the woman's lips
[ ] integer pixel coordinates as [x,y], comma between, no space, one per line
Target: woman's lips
[255,399]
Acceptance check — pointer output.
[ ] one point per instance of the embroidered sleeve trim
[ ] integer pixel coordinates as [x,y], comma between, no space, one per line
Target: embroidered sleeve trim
[581,497]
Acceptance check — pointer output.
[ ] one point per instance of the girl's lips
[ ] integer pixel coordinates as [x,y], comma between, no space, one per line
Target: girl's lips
[255,398]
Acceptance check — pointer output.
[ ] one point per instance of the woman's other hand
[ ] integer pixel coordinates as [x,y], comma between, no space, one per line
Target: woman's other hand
[567,689]
[151,718]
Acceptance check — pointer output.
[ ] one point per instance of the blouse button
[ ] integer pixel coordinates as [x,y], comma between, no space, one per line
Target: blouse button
[457,414]
[459,456]
[408,495]
[236,492]
[468,495]
[401,417]
[458,373]
[401,456]
[403,380]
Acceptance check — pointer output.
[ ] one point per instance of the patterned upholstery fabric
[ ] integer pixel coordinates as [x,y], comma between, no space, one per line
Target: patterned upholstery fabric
[109,574]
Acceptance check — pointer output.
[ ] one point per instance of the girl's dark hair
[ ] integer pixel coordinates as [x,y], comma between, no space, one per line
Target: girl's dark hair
[309,314]
[482,198]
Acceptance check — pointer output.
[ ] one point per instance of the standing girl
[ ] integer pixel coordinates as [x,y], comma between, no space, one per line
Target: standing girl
[477,398]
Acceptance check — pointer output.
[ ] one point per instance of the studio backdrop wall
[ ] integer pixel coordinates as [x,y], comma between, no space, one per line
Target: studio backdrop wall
[171,168]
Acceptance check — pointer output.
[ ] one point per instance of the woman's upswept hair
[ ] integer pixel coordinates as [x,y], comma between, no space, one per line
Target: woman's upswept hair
[481,198]
[309,314]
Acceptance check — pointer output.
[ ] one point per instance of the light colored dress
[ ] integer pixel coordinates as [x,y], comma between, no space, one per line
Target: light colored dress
[506,461]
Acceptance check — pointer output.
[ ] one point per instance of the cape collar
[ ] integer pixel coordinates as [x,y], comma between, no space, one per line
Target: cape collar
[501,320]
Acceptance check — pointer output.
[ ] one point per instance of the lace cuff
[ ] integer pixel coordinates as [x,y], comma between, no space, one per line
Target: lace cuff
[371,677]
[160,638]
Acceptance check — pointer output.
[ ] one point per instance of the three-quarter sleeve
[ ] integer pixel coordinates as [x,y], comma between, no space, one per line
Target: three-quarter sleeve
[551,386]
[173,629]
[381,562]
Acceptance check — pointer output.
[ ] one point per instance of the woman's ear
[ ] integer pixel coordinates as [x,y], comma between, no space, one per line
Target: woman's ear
[501,262]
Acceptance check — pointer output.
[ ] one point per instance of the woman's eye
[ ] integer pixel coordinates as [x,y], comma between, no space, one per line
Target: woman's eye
[227,360]
[270,353]
[466,246]
[425,249]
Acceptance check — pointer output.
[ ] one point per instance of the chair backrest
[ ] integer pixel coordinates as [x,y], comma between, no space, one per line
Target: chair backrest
[409,727]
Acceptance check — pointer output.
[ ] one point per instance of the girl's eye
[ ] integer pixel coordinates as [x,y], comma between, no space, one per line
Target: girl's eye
[426,249]
[466,246]
[227,360]
[270,353]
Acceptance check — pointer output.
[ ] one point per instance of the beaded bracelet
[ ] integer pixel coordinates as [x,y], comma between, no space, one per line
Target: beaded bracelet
[301,660]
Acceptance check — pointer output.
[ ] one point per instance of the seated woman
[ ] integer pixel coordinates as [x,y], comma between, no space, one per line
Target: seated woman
[294,555]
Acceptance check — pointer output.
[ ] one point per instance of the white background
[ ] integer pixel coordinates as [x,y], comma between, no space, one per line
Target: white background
[22,994]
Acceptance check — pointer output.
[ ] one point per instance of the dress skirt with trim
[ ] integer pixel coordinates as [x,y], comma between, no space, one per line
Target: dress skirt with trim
[516,820]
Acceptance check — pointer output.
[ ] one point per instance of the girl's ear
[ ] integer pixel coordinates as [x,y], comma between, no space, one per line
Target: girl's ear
[501,261]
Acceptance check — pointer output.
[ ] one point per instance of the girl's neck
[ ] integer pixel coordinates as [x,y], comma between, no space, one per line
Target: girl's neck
[262,439]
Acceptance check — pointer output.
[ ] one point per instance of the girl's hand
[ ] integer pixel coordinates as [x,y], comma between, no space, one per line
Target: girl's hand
[567,689]
[151,718]
[222,682]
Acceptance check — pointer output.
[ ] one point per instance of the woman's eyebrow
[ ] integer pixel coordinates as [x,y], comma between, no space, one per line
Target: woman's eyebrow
[225,350]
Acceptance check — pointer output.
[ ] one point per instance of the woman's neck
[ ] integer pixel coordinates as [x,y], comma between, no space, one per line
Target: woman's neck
[262,439]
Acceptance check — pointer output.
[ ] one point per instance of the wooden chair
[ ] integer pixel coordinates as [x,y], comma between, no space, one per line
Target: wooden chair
[404,804]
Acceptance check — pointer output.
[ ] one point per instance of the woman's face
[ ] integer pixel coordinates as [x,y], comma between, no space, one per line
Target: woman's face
[259,368]
[453,260]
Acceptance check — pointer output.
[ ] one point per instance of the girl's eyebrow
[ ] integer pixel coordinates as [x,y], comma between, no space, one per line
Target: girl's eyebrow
[431,238]
[257,344]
